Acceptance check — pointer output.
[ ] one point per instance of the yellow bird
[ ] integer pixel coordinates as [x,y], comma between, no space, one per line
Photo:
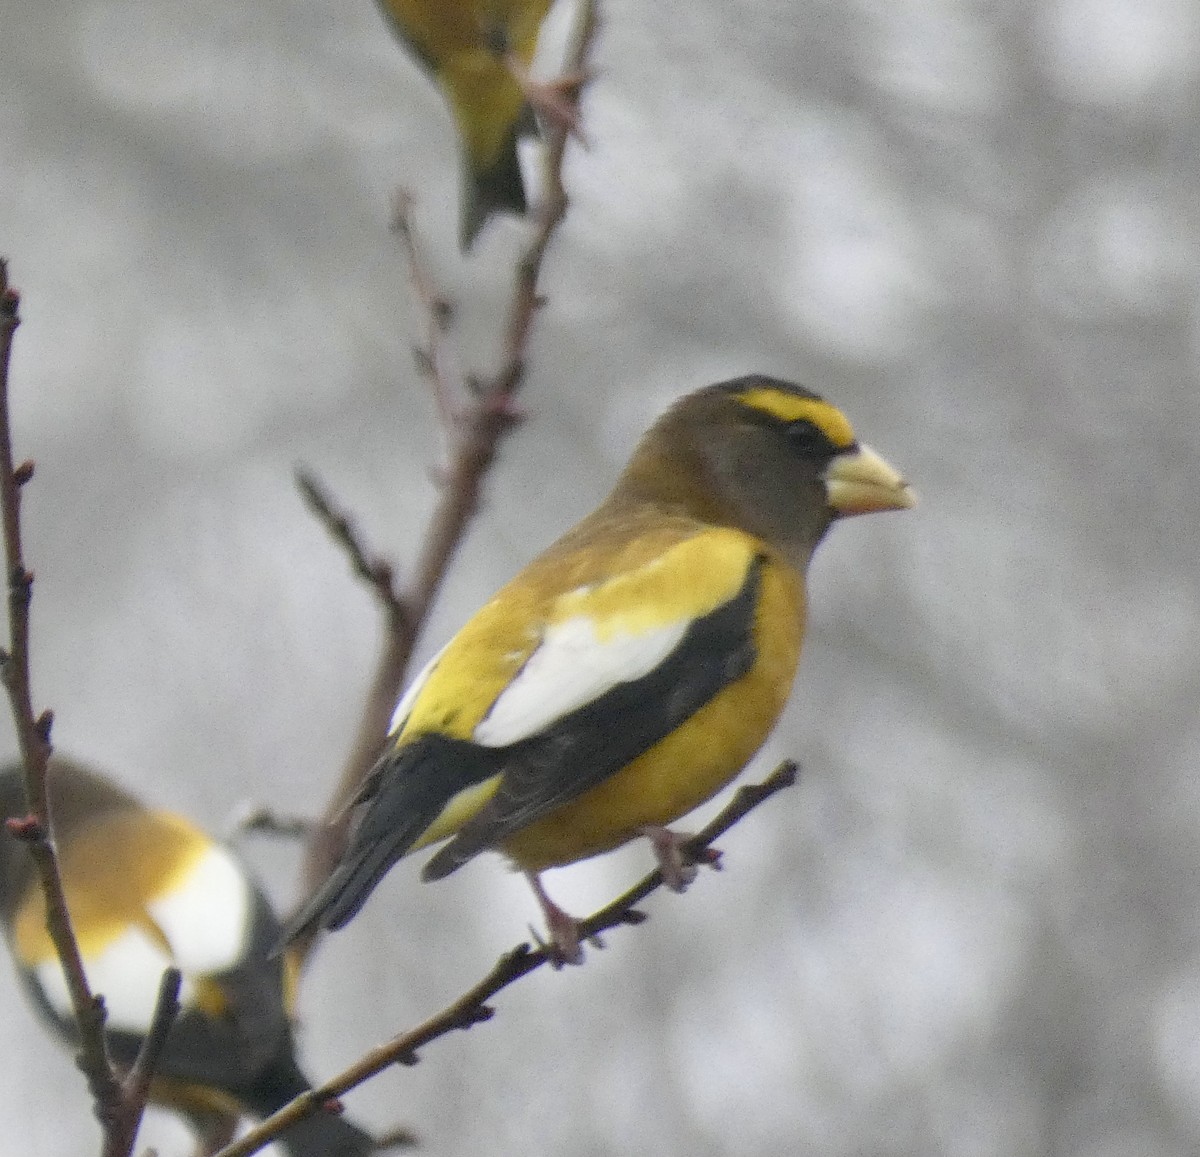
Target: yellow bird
[479,52]
[147,890]
[631,671]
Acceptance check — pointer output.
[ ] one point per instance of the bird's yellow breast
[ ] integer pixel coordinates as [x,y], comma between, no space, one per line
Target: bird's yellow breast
[695,761]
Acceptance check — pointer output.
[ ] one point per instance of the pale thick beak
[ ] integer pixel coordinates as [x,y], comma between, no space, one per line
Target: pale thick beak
[860,482]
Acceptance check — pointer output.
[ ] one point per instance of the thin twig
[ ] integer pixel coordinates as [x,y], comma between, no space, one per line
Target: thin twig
[472,1008]
[476,428]
[33,735]
[166,1009]
[135,1088]
[432,357]
[526,300]
[376,571]
[258,820]
[327,836]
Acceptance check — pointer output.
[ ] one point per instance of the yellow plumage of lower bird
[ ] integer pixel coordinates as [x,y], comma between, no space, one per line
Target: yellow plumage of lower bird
[479,52]
[629,672]
[148,889]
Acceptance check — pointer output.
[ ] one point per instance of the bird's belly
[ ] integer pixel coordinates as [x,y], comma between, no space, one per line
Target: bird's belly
[685,768]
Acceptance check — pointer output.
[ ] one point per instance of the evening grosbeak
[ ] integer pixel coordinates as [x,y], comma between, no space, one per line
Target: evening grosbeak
[630,672]
[147,890]
[479,52]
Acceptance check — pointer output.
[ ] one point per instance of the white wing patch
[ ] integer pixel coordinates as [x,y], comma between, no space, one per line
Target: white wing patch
[206,918]
[127,974]
[405,706]
[205,921]
[571,667]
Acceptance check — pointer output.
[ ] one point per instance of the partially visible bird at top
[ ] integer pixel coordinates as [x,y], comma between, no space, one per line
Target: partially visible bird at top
[632,669]
[480,53]
[147,889]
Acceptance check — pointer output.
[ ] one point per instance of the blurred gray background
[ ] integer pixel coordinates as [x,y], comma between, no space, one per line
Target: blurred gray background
[972,929]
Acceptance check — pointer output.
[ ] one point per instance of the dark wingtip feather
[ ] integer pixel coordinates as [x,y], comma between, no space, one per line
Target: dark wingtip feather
[341,897]
[326,1135]
[406,791]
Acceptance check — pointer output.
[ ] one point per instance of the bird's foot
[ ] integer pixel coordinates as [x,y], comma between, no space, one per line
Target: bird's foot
[565,945]
[555,101]
[678,866]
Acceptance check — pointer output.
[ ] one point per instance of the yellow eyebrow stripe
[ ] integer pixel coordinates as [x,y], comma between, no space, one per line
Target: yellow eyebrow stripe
[793,408]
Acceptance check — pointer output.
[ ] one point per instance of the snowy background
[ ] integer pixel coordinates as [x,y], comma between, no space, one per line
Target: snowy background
[973,928]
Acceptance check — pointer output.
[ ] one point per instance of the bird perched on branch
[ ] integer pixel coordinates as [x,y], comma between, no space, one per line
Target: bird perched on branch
[630,672]
[480,52]
[147,890]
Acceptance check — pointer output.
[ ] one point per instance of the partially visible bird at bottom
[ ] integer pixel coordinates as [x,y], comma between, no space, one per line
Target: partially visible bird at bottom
[479,52]
[146,890]
[629,672]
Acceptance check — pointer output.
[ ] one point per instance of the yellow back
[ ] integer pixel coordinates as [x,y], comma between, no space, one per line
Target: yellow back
[111,870]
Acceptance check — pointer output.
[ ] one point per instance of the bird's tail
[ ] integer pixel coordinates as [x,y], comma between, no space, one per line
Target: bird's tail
[402,796]
[495,188]
[338,900]
[323,1135]
[326,1135]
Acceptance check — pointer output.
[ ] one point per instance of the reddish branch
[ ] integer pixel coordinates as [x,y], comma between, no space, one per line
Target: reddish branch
[118,1103]
[476,416]
[472,1008]
[33,735]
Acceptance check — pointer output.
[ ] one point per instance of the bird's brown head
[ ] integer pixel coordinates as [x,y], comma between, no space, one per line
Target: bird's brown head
[765,456]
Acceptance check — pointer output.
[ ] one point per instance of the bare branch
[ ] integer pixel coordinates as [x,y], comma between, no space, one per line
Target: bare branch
[431,358]
[258,820]
[472,1008]
[375,571]
[166,1009]
[526,299]
[33,735]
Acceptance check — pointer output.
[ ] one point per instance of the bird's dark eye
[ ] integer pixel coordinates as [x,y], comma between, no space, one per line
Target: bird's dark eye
[807,438]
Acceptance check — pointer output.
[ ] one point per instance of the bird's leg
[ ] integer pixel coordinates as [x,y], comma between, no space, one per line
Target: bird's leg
[564,946]
[677,866]
[554,100]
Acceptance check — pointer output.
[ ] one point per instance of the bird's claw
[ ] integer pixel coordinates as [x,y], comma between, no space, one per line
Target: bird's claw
[555,101]
[676,863]
[565,944]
